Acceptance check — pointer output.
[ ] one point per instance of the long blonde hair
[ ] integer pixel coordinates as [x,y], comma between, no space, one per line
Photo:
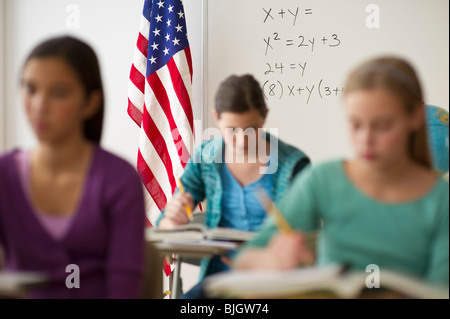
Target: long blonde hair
[398,76]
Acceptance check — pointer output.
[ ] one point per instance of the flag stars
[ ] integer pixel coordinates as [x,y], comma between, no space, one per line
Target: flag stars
[158,18]
[170,8]
[169,22]
[160,4]
[156,32]
[166,51]
[155,46]
[176,42]
[179,28]
[181,14]
[152,60]
[168,37]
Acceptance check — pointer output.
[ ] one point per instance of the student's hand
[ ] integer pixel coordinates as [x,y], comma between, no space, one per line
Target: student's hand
[289,251]
[226,260]
[175,212]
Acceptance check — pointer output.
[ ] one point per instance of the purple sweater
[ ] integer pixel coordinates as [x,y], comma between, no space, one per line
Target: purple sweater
[105,240]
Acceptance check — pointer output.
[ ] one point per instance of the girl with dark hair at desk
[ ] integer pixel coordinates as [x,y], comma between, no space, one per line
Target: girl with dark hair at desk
[67,201]
[226,170]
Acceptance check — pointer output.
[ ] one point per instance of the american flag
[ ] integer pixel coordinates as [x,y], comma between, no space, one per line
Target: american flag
[159,100]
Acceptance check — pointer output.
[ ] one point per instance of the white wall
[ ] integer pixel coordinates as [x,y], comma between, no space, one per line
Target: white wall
[111,27]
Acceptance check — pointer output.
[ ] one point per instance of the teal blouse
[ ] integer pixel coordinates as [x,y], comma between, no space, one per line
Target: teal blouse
[410,237]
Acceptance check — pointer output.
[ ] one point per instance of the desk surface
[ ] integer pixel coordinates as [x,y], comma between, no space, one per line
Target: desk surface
[195,249]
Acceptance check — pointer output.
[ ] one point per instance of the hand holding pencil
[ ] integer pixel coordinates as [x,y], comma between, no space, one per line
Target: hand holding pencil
[289,248]
[188,207]
[178,210]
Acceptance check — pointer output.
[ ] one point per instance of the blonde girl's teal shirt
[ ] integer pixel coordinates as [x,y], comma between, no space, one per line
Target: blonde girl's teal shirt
[410,237]
[203,179]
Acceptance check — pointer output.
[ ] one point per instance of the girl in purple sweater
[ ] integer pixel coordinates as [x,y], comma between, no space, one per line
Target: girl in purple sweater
[68,208]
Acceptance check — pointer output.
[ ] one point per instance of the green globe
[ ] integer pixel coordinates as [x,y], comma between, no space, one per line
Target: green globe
[436,122]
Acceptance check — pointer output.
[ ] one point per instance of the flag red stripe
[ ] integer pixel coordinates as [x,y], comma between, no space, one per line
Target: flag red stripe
[187,51]
[150,182]
[137,78]
[166,267]
[163,99]
[134,113]
[158,142]
[142,44]
[180,89]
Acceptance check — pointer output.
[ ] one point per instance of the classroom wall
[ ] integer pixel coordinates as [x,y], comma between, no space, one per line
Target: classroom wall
[302,51]
[111,27]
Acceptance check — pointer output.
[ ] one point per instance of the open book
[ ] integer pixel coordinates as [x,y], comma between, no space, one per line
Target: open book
[317,282]
[196,231]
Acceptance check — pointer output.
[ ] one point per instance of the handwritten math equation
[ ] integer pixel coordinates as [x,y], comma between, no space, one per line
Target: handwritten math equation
[281,68]
[279,90]
[300,41]
[288,49]
[291,14]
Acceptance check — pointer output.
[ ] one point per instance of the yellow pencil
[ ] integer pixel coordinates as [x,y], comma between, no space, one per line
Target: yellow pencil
[272,210]
[282,223]
[188,208]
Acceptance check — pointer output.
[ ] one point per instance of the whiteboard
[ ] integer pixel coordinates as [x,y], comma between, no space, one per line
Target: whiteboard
[301,52]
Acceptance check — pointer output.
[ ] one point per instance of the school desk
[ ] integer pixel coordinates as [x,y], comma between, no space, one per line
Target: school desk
[182,250]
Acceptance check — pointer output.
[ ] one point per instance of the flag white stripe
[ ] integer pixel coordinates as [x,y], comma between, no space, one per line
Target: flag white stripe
[150,155]
[136,97]
[140,62]
[144,27]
